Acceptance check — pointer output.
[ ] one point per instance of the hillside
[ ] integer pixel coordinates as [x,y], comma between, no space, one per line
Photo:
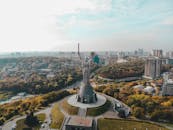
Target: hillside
[122,70]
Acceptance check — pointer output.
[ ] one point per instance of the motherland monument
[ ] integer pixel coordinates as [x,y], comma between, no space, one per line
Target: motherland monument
[86,93]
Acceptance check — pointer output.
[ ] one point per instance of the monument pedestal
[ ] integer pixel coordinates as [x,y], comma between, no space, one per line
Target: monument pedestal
[86,94]
[101,100]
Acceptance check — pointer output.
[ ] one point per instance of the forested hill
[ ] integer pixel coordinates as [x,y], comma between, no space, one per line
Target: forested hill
[122,70]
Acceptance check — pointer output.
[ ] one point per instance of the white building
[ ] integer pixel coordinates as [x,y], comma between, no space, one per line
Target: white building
[139,87]
[13,127]
[149,89]
[169,54]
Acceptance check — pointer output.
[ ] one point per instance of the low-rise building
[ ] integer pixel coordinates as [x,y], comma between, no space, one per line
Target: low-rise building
[79,123]
[149,89]
[13,127]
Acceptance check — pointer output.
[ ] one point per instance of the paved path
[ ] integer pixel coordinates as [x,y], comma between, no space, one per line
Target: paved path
[114,100]
[82,112]
[9,124]
[48,118]
[121,80]
[73,102]
[47,111]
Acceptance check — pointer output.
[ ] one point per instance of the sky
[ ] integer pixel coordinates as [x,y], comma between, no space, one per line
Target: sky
[98,25]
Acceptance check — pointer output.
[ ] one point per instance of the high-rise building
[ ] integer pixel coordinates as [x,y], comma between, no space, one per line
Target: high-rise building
[167,88]
[152,68]
[139,52]
[158,53]
[169,54]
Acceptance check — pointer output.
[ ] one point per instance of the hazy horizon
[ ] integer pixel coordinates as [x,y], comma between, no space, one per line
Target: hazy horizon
[98,25]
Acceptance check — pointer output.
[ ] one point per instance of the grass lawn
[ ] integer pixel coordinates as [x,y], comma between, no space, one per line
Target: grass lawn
[98,110]
[21,125]
[57,117]
[68,108]
[168,124]
[115,124]
[41,117]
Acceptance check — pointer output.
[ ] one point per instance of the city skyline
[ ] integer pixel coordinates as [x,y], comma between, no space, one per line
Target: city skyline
[98,25]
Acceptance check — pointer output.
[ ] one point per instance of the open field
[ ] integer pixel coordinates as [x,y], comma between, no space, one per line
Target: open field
[115,124]
[57,117]
[68,108]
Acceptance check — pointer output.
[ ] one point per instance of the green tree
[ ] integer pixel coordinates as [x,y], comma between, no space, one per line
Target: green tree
[138,112]
[31,120]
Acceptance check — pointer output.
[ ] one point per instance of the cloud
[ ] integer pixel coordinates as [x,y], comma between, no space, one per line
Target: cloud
[46,24]
[168,21]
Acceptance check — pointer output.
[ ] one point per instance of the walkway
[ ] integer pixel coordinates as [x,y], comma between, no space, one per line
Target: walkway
[82,112]
[47,111]
[9,124]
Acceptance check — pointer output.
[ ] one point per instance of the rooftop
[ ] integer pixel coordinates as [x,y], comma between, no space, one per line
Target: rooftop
[141,87]
[149,89]
[80,121]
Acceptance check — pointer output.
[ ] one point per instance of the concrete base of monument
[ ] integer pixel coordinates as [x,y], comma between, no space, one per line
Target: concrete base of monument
[101,100]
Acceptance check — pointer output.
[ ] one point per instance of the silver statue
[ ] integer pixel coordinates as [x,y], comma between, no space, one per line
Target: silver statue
[86,93]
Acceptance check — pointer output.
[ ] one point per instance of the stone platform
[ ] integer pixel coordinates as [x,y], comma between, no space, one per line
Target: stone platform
[73,101]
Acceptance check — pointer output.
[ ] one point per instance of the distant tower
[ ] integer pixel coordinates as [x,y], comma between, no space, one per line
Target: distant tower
[152,68]
[86,93]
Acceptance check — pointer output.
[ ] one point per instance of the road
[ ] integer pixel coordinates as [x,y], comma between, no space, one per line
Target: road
[47,121]
[120,80]
[114,100]
[9,124]
[47,111]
